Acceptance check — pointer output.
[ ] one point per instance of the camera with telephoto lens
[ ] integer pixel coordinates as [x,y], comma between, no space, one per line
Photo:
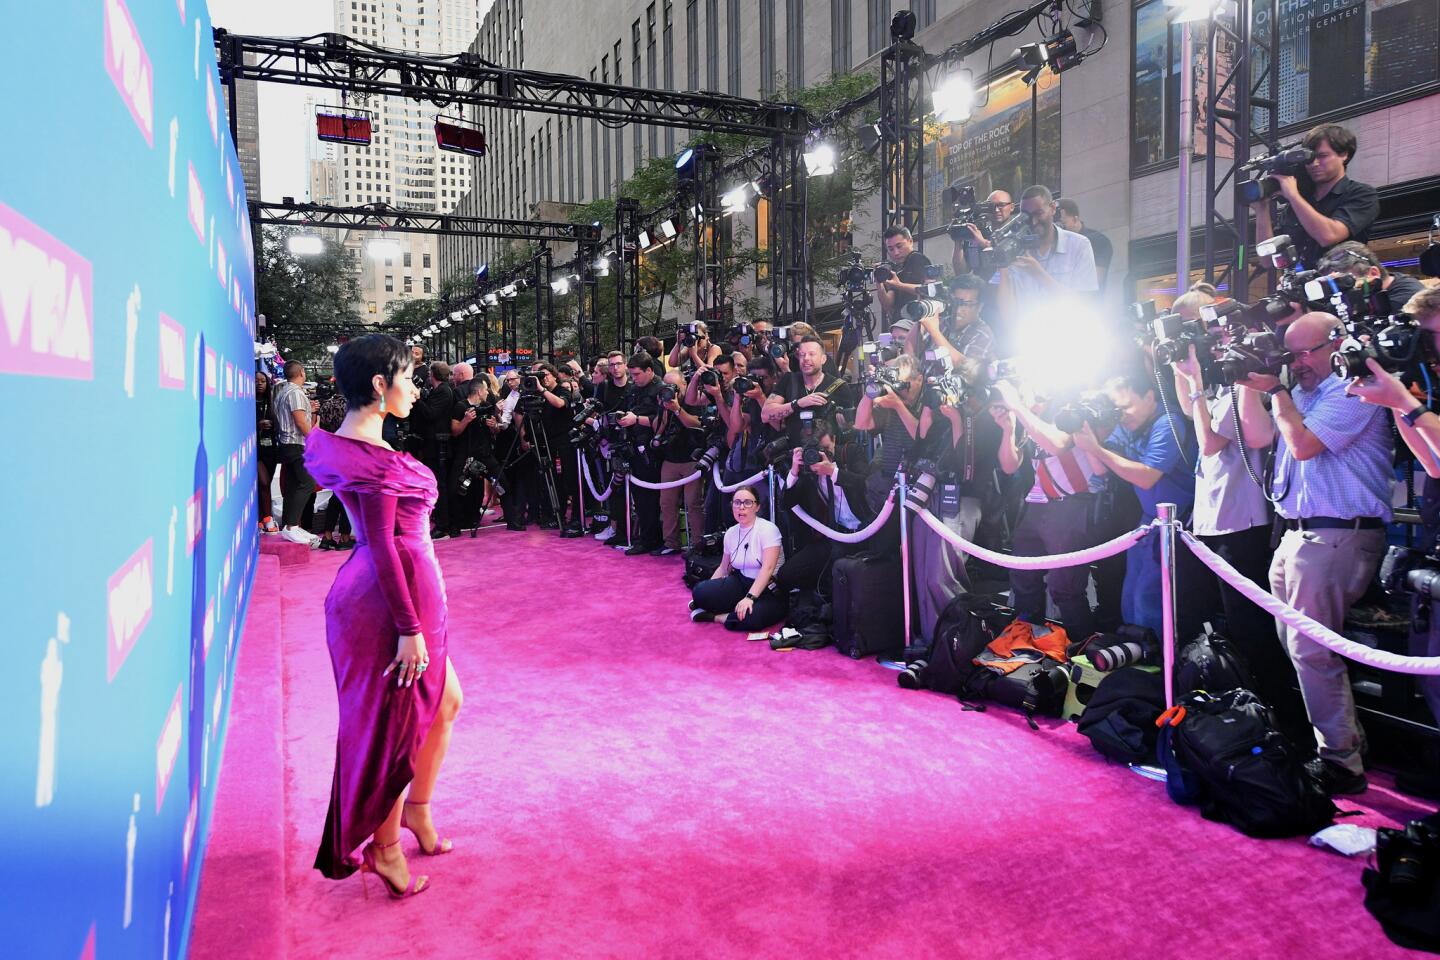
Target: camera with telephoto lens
[1174,336]
[921,476]
[665,394]
[475,469]
[777,344]
[1131,645]
[708,378]
[779,451]
[1013,238]
[715,445]
[1260,315]
[741,335]
[1261,352]
[882,349]
[965,209]
[1407,570]
[884,270]
[878,380]
[1289,162]
[917,310]
[1399,346]
[743,384]
[1408,859]
[689,334]
[1096,409]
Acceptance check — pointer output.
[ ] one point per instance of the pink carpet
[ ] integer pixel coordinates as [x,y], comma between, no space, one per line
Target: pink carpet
[623,783]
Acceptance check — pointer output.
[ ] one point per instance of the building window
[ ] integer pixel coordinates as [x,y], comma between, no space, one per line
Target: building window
[652,79]
[425,284]
[1327,64]
[840,36]
[767,47]
[605,146]
[692,45]
[712,45]
[667,36]
[879,26]
[425,260]
[389,282]
[635,76]
[407,283]
[407,258]
[619,131]
[795,43]
[734,53]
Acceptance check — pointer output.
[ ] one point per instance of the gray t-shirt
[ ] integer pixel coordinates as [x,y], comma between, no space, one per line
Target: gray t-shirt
[289,397]
[1226,499]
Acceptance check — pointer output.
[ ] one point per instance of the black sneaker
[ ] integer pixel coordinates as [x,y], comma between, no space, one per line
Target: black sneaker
[1334,779]
[570,533]
[514,526]
[639,550]
[548,524]
[665,551]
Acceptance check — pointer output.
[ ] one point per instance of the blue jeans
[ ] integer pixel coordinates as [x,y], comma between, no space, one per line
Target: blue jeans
[1140,595]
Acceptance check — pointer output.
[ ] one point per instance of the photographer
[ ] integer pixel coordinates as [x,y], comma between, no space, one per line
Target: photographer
[959,332]
[642,415]
[895,413]
[293,423]
[1057,514]
[1419,427]
[1060,262]
[516,455]
[803,397]
[682,441]
[1155,455]
[898,280]
[1389,292]
[997,208]
[554,421]
[1332,484]
[1322,207]
[474,424]
[1232,516]
[693,348]
[1069,213]
[831,492]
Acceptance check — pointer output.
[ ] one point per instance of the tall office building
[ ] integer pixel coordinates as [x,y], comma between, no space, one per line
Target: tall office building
[402,165]
[247,130]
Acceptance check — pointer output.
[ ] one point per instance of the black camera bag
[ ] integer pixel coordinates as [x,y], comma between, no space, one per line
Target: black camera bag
[963,631]
[702,559]
[868,615]
[1033,688]
[1252,777]
[1120,718]
[1211,662]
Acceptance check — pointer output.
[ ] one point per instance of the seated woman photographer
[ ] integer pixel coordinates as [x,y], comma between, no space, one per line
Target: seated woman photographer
[739,594]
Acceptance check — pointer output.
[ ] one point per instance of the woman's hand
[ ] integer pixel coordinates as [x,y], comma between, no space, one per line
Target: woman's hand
[743,608]
[411,659]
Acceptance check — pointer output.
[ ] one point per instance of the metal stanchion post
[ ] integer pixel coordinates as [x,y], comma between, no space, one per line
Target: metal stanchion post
[1167,531]
[770,485]
[580,483]
[629,541]
[904,553]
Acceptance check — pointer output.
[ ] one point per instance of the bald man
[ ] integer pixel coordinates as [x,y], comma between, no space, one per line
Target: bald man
[1333,479]
[1002,208]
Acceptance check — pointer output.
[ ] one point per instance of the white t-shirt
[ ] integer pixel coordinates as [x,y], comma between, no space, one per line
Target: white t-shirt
[746,548]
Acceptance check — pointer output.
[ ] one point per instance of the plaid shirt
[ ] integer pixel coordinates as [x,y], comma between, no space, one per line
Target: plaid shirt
[1352,476]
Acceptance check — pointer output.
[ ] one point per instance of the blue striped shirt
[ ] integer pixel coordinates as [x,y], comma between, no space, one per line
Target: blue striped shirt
[1352,476]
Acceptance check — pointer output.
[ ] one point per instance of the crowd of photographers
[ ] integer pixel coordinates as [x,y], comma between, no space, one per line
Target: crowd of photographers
[1264,423]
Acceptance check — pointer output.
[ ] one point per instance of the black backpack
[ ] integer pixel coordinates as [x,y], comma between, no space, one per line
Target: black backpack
[702,558]
[1210,662]
[1120,718]
[1252,777]
[964,629]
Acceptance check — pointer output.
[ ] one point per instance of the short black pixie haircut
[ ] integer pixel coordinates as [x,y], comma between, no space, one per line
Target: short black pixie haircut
[360,359]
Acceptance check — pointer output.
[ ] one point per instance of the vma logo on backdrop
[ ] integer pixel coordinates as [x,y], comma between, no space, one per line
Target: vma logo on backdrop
[46,310]
[129,67]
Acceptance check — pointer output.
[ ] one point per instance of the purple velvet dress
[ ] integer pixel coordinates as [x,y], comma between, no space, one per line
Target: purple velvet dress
[389,586]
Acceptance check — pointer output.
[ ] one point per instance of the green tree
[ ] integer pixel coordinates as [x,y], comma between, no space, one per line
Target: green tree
[307,301]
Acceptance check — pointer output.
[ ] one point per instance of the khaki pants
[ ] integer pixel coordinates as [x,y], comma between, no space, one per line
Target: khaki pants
[694,494]
[1321,573]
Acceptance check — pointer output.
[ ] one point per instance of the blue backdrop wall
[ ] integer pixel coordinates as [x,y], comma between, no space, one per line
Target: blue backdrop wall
[126,372]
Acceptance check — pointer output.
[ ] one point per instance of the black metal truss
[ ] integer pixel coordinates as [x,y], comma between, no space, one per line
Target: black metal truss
[339,62]
[627,274]
[902,153]
[385,218]
[1232,106]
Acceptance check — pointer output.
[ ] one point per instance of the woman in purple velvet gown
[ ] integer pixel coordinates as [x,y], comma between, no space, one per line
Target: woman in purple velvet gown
[385,626]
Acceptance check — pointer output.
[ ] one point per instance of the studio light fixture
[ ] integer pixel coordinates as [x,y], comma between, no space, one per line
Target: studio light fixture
[602,264]
[1057,54]
[482,272]
[491,299]
[457,316]
[737,199]
[561,286]
[820,160]
[473,309]
[348,126]
[305,245]
[445,323]
[510,291]
[954,98]
[697,213]
[644,239]
[452,134]
[332,348]
[667,229]
[382,249]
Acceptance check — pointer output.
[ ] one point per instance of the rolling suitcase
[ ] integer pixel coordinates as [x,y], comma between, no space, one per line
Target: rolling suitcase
[869,618]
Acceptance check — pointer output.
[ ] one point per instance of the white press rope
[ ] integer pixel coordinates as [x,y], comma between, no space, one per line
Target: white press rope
[733,487]
[1321,634]
[665,485]
[602,497]
[1077,558]
[864,533]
